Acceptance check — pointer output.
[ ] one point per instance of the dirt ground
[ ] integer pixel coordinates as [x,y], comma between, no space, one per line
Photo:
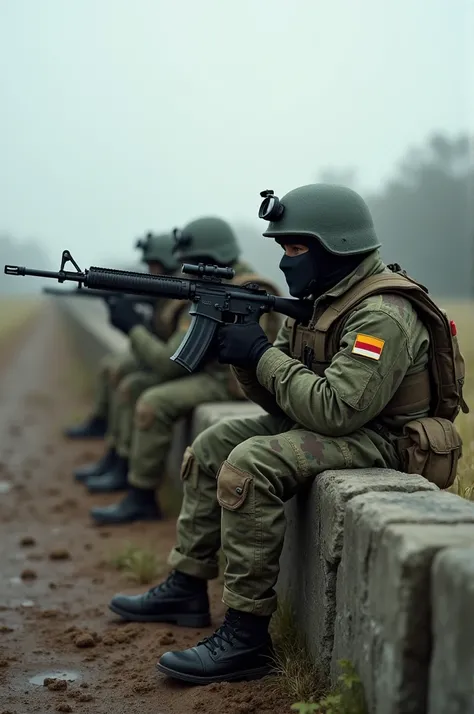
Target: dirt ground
[55,581]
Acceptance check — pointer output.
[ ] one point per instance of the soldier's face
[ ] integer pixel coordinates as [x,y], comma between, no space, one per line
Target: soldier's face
[293,250]
[155,268]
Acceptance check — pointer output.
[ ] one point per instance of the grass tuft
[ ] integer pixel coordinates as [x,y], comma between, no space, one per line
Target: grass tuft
[347,698]
[298,676]
[138,564]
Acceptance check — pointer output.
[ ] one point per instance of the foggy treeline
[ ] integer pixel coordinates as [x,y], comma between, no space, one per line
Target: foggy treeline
[424,216]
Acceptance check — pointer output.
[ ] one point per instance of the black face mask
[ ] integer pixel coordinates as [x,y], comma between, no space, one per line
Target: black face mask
[316,271]
[299,274]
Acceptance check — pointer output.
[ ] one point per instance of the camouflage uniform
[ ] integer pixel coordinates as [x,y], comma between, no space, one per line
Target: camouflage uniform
[147,405]
[314,424]
[319,415]
[112,369]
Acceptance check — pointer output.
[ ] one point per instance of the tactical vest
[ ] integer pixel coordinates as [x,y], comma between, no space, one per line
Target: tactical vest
[429,446]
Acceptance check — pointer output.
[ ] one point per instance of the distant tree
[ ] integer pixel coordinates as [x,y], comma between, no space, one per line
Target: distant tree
[425,215]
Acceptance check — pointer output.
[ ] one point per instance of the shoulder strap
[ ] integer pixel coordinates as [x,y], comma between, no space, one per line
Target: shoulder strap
[370,286]
[373,285]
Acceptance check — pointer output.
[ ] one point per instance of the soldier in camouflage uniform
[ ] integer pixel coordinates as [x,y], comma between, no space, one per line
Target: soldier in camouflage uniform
[157,254]
[319,415]
[147,405]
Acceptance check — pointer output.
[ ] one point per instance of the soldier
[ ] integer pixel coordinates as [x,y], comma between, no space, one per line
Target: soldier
[157,253]
[337,393]
[147,405]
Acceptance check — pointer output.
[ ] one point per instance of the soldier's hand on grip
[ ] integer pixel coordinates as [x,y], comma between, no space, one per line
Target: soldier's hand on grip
[242,345]
[123,315]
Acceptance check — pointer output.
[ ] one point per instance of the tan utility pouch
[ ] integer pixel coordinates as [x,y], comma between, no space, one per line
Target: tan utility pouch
[432,448]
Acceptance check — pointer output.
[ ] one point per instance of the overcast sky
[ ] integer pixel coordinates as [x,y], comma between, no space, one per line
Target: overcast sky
[122,115]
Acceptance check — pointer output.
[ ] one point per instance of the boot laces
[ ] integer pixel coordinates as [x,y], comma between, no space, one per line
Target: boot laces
[226,633]
[162,587]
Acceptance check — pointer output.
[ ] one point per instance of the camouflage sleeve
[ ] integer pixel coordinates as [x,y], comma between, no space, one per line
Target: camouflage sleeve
[155,353]
[374,356]
[252,388]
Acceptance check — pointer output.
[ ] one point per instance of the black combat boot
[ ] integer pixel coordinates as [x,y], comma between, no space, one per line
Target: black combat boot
[114,479]
[93,428]
[181,600]
[240,648]
[104,464]
[138,505]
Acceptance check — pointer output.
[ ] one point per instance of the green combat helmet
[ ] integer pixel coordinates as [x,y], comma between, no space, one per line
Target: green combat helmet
[208,237]
[159,248]
[335,215]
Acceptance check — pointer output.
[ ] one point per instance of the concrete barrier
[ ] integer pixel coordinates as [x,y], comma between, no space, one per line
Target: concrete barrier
[377,565]
[87,322]
[451,673]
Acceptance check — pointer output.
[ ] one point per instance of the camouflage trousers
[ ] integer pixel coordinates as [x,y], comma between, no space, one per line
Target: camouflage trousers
[260,463]
[145,413]
[122,409]
[112,369]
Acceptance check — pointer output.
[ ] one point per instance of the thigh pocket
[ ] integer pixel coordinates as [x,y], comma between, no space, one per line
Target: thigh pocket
[189,468]
[232,486]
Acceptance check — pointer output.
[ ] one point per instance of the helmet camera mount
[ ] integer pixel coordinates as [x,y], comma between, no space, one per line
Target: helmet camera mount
[271,208]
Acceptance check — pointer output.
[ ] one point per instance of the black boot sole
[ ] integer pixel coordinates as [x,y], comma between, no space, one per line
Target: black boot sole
[82,478]
[196,621]
[246,675]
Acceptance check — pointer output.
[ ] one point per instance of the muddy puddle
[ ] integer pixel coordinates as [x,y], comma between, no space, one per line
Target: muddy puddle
[41,679]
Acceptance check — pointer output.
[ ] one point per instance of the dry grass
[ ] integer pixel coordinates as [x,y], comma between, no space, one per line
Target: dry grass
[14,312]
[298,676]
[463,315]
[138,564]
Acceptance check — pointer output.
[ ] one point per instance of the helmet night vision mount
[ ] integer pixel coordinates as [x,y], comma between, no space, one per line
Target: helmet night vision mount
[271,208]
[180,240]
[144,243]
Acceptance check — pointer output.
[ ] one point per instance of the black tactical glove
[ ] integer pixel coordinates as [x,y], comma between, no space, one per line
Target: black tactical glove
[242,345]
[122,315]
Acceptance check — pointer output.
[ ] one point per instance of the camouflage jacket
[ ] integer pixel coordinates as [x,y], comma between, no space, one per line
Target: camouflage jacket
[155,353]
[355,387]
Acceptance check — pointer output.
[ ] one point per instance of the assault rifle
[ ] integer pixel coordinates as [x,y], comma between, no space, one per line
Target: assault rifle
[214,303]
[106,295]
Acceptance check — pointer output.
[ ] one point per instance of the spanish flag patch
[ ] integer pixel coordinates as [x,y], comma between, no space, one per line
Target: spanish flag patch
[368,346]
